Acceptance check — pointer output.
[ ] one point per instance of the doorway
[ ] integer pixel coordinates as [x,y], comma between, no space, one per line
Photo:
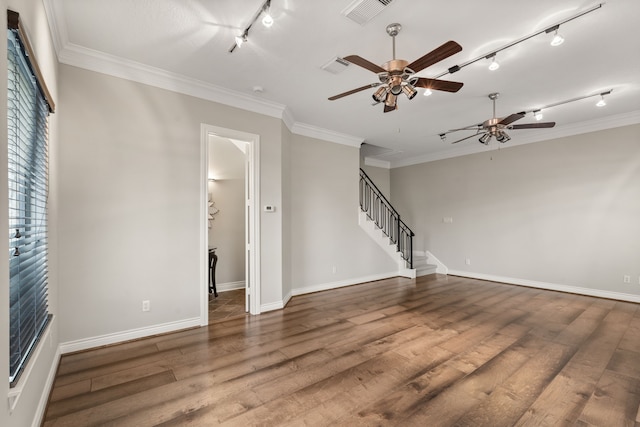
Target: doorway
[249,145]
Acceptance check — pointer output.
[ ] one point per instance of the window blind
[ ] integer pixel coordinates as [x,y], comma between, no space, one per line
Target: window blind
[27,129]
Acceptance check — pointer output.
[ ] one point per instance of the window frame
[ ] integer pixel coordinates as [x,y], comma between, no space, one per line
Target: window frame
[28,198]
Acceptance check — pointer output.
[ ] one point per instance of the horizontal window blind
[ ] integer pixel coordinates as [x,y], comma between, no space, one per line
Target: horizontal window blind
[27,128]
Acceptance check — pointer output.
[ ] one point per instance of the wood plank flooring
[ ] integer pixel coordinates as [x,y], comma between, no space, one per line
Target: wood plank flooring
[435,351]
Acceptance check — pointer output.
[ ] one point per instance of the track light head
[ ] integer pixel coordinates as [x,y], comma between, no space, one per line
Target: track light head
[267,20]
[537,114]
[494,64]
[485,138]
[557,39]
[602,102]
[240,40]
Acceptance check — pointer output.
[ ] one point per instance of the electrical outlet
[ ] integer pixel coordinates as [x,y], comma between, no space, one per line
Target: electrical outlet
[626,279]
[447,220]
[334,269]
[467,261]
[146,305]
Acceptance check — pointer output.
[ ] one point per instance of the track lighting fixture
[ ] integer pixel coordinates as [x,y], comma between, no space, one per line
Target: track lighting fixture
[267,21]
[485,138]
[409,90]
[602,102]
[427,92]
[557,40]
[537,114]
[494,64]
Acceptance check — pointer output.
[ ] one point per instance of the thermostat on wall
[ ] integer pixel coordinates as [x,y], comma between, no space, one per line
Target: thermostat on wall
[269,208]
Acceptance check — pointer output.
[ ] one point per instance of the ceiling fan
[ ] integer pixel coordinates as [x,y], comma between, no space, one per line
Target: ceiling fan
[495,127]
[398,76]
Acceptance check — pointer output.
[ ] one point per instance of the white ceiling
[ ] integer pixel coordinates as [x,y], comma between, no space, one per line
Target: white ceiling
[183,45]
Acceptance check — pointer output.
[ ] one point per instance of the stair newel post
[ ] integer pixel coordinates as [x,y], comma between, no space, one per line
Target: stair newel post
[411,251]
[398,231]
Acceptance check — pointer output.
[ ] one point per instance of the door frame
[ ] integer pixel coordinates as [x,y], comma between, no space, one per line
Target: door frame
[252,217]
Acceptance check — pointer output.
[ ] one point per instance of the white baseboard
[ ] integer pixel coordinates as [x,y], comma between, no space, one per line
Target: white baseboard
[131,334]
[278,305]
[46,388]
[342,283]
[549,286]
[230,286]
[440,267]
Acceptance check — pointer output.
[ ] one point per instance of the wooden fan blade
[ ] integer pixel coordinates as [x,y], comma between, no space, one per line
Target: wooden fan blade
[510,119]
[472,127]
[357,60]
[466,137]
[436,84]
[435,56]
[534,125]
[352,91]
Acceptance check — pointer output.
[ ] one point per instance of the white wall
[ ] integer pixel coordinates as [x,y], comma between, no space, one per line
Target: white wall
[227,232]
[562,212]
[287,285]
[129,203]
[324,221]
[34,385]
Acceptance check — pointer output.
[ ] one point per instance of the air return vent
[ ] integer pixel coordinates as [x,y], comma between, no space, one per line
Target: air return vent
[362,11]
[336,65]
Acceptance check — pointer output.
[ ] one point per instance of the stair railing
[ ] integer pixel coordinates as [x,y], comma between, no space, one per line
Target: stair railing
[383,214]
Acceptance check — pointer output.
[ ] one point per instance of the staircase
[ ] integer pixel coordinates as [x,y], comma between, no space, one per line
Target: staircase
[383,224]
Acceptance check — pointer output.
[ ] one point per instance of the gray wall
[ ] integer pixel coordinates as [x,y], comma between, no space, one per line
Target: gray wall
[563,211]
[129,202]
[324,225]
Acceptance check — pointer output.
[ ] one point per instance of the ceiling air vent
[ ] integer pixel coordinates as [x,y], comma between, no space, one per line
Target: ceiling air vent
[362,11]
[336,65]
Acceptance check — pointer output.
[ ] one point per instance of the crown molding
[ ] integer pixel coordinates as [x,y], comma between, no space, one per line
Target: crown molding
[326,135]
[77,56]
[572,129]
[370,161]
[100,62]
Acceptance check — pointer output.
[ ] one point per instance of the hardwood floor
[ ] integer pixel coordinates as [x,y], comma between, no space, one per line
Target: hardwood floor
[227,305]
[436,351]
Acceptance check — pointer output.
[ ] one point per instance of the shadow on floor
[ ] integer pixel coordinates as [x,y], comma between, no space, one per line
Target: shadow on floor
[227,305]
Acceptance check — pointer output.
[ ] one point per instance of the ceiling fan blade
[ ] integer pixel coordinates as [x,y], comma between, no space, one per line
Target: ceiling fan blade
[510,119]
[534,125]
[387,108]
[467,137]
[472,127]
[352,91]
[436,84]
[358,60]
[435,56]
